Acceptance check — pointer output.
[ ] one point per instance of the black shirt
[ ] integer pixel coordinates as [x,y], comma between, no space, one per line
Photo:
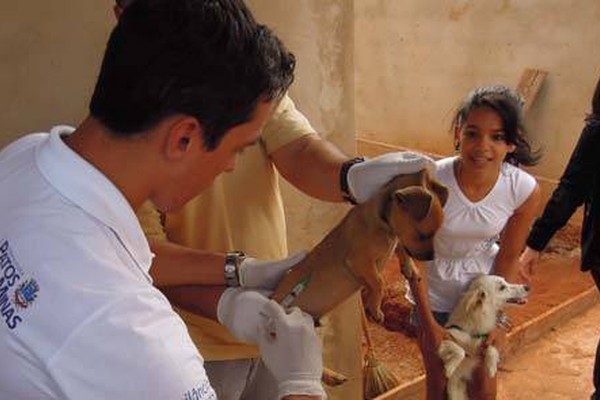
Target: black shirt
[580,184]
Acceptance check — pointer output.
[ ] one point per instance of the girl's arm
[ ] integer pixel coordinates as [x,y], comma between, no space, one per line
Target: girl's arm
[514,236]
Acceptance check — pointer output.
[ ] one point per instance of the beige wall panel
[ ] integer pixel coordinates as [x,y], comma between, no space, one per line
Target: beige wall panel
[50,53]
[415,60]
[320,33]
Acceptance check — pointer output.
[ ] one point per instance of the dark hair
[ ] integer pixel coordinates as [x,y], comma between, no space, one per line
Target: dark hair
[205,58]
[509,106]
[123,3]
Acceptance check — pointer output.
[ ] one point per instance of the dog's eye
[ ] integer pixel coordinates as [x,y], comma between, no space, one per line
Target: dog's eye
[425,236]
[503,287]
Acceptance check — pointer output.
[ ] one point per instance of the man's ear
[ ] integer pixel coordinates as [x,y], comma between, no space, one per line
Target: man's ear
[184,134]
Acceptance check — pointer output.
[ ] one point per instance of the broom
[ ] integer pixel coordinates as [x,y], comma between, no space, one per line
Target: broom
[378,379]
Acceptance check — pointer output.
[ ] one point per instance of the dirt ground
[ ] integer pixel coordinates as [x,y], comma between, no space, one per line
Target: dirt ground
[556,367]
[557,279]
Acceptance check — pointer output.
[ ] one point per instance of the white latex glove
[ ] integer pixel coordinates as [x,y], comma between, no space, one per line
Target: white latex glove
[291,350]
[366,178]
[240,311]
[266,275]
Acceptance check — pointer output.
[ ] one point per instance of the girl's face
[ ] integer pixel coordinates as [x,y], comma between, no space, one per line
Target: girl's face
[483,140]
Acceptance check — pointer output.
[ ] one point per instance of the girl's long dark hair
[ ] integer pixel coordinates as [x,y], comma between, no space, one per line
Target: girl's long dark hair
[509,106]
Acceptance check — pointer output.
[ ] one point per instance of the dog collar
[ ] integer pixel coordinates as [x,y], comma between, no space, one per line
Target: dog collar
[473,335]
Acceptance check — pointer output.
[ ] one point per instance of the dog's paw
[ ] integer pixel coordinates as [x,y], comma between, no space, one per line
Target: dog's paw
[451,355]
[377,315]
[492,358]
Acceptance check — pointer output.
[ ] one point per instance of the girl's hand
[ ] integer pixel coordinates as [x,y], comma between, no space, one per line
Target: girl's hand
[496,338]
[527,262]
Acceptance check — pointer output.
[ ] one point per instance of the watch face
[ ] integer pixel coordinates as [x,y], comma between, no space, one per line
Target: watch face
[229,268]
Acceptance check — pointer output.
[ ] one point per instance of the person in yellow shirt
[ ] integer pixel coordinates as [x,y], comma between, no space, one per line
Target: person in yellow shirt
[243,210]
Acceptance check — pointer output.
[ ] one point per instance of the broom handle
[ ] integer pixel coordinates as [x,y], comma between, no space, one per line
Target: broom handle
[420,293]
[365,327]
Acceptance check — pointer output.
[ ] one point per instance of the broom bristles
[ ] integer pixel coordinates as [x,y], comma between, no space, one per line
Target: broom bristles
[378,378]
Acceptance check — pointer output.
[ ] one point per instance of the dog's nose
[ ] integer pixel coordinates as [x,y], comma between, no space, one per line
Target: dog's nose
[527,288]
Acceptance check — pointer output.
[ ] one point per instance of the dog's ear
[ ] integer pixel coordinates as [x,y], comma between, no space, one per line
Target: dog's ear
[440,190]
[476,299]
[415,201]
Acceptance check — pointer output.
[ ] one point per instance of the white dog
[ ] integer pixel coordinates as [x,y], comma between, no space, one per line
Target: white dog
[470,323]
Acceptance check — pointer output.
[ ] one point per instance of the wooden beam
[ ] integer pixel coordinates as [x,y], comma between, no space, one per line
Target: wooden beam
[530,84]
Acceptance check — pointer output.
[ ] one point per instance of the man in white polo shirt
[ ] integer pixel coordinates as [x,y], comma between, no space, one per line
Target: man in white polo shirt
[185,85]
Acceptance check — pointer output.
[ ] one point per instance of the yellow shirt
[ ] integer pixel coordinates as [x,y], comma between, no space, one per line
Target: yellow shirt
[242,210]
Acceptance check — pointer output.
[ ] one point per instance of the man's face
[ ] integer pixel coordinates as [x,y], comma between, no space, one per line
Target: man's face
[203,166]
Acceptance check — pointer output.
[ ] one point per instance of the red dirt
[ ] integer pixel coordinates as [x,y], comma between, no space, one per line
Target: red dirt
[557,280]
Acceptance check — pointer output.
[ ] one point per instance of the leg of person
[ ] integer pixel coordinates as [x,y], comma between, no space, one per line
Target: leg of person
[230,378]
[482,386]
[261,384]
[596,394]
[342,348]
[435,378]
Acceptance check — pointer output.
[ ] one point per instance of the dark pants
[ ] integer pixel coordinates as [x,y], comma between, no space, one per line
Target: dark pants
[596,395]
[440,317]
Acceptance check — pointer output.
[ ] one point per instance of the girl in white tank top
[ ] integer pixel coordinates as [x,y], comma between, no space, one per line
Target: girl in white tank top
[490,208]
[491,204]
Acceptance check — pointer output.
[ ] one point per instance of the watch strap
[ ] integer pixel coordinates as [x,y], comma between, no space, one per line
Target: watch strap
[344,186]
[233,260]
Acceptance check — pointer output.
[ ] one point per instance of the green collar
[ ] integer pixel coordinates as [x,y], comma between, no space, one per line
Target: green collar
[473,335]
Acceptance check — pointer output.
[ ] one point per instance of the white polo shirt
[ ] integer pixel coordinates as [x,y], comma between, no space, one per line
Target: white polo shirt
[79,317]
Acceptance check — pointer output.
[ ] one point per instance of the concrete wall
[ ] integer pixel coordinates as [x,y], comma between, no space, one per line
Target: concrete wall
[385,71]
[50,54]
[320,33]
[415,60]
[49,57]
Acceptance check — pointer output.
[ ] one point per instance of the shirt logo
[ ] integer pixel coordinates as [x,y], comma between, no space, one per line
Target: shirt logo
[26,293]
[202,392]
[15,293]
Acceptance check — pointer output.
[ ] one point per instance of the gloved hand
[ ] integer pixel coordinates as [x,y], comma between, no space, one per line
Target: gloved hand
[240,309]
[367,177]
[266,275]
[291,350]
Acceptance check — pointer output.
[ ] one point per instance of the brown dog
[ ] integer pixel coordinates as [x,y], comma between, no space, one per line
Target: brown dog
[406,212]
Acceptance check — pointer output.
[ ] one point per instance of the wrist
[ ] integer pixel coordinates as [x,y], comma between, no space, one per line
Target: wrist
[344,185]
[233,260]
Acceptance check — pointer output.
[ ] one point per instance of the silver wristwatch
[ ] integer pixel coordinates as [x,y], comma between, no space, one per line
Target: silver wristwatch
[232,265]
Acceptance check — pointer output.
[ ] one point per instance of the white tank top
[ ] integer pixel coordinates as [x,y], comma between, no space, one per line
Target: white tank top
[466,244]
